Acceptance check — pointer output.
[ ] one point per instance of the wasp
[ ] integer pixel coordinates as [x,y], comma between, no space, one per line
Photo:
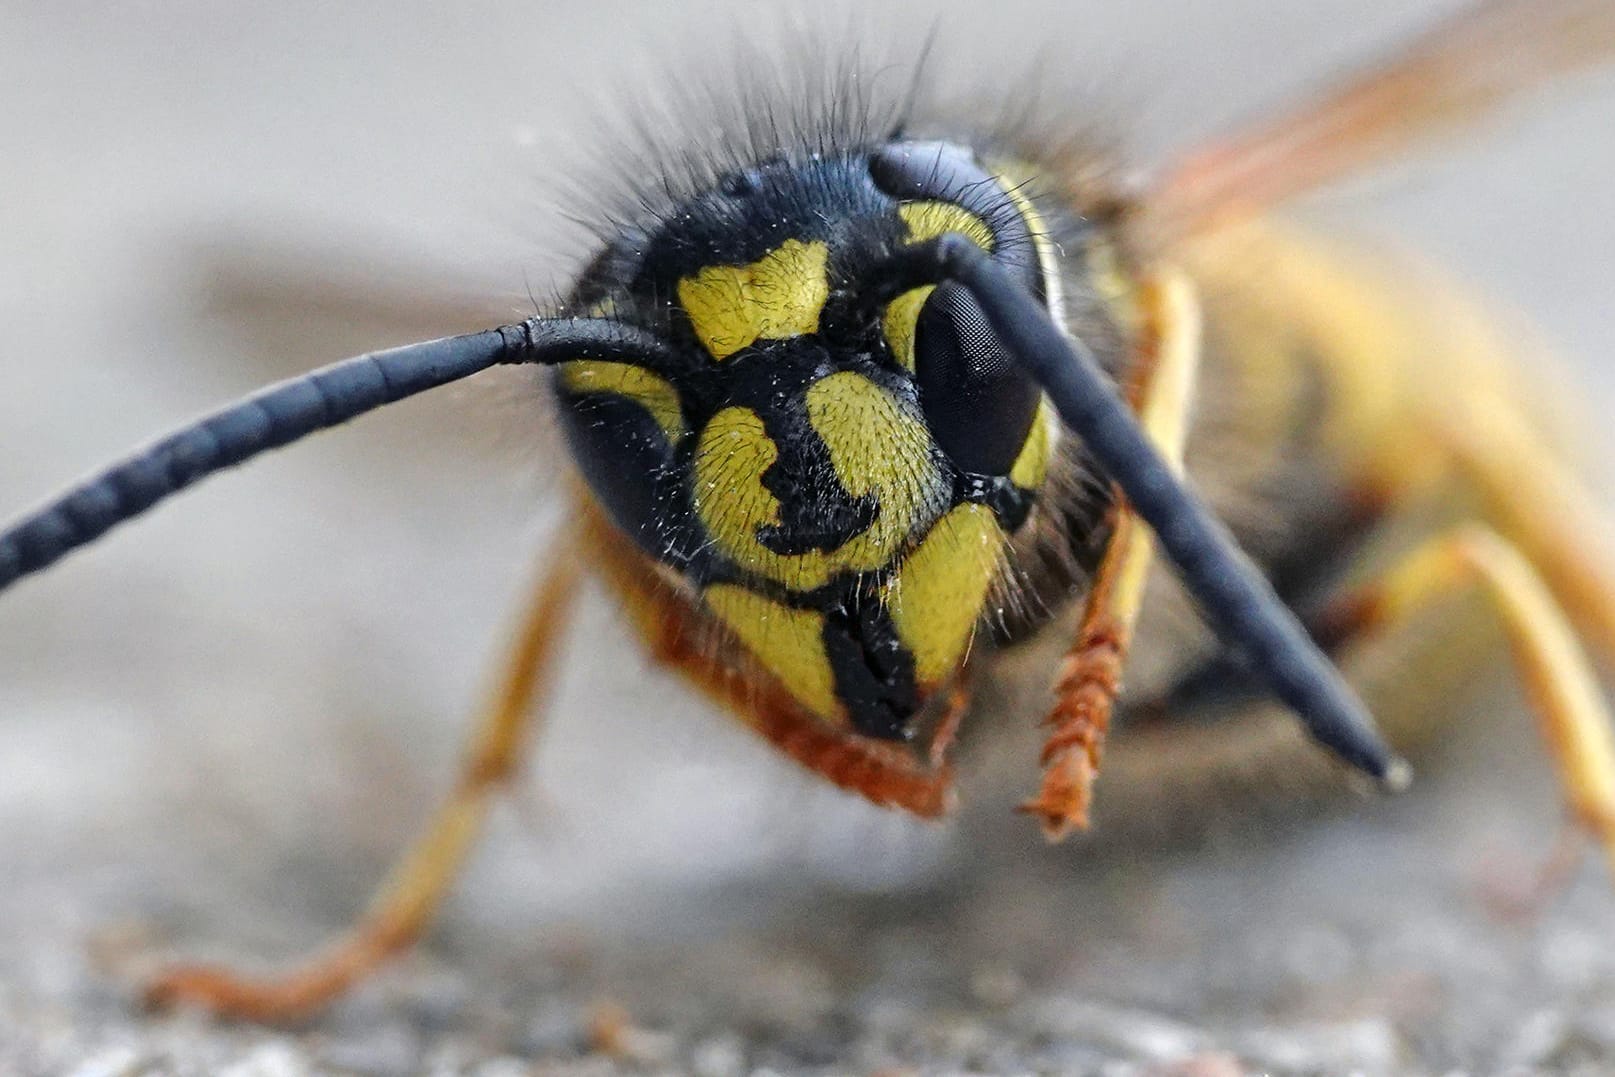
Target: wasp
[860,413]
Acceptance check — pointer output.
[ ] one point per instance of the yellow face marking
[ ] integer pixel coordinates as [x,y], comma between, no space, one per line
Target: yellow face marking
[877,449]
[1033,463]
[788,642]
[776,297]
[648,390]
[927,220]
[937,594]
[901,322]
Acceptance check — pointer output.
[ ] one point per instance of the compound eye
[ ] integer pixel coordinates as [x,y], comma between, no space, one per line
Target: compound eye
[979,403]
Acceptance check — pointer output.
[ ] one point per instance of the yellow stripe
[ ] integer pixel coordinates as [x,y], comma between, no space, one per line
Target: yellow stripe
[1031,466]
[901,322]
[651,392]
[936,597]
[1033,462]
[927,220]
[780,295]
[788,642]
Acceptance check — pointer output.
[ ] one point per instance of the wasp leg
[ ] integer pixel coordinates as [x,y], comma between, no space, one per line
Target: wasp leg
[402,908]
[1533,499]
[1086,689]
[1090,676]
[1558,679]
[678,635]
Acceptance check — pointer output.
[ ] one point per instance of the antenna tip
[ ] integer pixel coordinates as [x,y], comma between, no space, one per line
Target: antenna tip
[1398,776]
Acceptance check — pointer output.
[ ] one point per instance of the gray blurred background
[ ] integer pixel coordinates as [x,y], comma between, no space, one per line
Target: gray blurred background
[218,727]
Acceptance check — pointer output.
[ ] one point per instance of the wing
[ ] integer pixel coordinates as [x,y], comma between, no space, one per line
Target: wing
[291,298]
[1459,72]
[296,299]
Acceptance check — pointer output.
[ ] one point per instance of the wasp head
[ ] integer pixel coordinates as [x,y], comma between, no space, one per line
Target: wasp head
[828,456]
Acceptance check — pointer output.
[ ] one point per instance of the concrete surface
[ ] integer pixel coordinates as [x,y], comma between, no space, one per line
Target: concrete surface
[216,728]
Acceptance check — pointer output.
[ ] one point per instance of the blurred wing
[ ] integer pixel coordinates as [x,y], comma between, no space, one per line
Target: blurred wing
[291,302]
[285,302]
[1456,74]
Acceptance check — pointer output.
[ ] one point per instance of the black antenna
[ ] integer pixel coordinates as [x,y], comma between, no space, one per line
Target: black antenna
[1235,596]
[283,413]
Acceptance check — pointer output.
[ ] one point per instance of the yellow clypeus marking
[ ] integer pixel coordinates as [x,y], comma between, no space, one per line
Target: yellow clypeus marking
[876,448]
[902,321]
[788,642]
[778,296]
[650,391]
[937,594]
[927,220]
[1033,462]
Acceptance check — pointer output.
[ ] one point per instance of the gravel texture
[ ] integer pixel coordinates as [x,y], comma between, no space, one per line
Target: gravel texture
[216,729]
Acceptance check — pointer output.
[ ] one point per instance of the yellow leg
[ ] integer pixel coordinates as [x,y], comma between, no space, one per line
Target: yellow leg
[1558,680]
[1090,677]
[402,908]
[1534,500]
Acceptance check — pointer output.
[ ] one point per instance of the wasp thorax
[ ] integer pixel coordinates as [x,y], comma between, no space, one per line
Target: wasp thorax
[832,464]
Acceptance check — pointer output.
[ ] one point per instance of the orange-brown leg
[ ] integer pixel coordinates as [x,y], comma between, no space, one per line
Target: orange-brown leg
[405,904]
[1085,694]
[1090,677]
[1564,694]
[676,634]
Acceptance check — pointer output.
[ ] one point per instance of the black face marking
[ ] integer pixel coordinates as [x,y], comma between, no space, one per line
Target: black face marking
[816,512]
[1010,503]
[874,675]
[635,473]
